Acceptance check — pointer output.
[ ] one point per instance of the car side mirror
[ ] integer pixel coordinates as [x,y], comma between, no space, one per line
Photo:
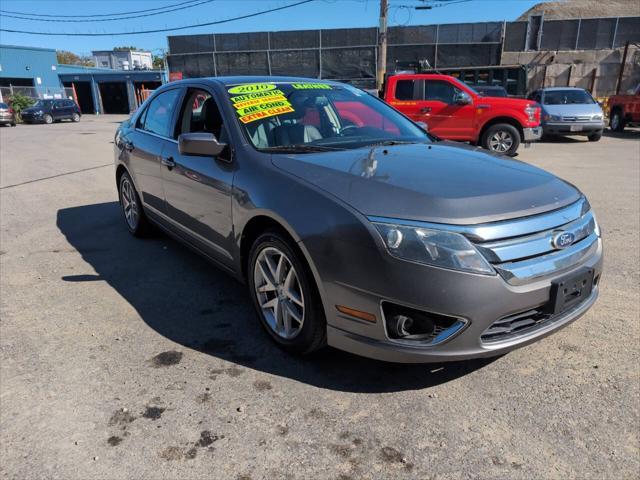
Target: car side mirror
[423,126]
[202,144]
[461,98]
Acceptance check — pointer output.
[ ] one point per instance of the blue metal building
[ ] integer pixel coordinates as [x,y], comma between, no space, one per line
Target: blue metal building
[29,67]
[97,90]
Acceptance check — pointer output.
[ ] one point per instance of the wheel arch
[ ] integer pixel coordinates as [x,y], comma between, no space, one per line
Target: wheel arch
[502,119]
[263,221]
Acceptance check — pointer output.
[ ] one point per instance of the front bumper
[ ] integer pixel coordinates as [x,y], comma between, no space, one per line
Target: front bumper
[480,300]
[532,134]
[573,128]
[31,117]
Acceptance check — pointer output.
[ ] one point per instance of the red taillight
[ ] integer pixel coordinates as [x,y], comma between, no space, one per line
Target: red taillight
[11,110]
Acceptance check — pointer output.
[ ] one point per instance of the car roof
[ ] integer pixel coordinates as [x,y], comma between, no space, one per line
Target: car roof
[551,89]
[235,80]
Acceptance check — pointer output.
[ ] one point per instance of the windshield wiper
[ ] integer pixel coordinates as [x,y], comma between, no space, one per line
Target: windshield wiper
[301,148]
[388,143]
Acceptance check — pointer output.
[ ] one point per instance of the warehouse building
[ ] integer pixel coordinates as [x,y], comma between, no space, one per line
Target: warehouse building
[520,55]
[35,72]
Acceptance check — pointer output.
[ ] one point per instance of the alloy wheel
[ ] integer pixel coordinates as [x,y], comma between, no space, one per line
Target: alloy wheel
[501,141]
[279,293]
[129,203]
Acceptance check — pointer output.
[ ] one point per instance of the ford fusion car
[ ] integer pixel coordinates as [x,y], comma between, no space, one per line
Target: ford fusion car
[351,226]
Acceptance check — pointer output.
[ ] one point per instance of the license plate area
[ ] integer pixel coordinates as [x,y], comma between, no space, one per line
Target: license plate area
[569,291]
[576,128]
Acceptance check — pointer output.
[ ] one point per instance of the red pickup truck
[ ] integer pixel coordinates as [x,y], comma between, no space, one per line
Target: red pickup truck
[454,111]
[624,110]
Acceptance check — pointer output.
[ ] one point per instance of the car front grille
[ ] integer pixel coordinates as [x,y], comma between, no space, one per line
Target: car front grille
[523,250]
[578,118]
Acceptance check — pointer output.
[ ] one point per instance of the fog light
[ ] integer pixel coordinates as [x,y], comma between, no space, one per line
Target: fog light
[417,327]
[409,325]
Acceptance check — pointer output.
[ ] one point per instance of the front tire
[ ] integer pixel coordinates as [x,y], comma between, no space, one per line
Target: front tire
[617,122]
[48,119]
[134,216]
[501,138]
[594,137]
[284,294]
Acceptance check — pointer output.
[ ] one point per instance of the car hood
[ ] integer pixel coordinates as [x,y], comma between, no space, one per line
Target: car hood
[438,183]
[573,109]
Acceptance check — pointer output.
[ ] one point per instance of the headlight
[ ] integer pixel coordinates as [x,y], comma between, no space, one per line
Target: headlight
[597,116]
[530,111]
[433,247]
[552,118]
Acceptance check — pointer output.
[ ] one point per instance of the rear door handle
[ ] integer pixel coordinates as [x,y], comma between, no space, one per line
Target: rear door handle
[169,162]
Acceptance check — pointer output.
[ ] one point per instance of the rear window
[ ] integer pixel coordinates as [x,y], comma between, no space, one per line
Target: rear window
[3,105]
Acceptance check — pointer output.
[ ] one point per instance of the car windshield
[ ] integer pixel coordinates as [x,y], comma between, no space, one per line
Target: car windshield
[567,97]
[43,103]
[310,117]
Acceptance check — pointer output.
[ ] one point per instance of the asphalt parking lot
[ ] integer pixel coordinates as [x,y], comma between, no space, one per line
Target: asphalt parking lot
[123,358]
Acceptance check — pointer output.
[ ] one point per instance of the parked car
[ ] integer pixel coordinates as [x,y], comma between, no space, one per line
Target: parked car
[624,110]
[352,226]
[455,111]
[569,111]
[49,111]
[490,90]
[7,115]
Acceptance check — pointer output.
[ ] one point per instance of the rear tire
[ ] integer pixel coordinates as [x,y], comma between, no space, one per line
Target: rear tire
[617,122]
[76,117]
[271,260]
[12,124]
[594,137]
[501,138]
[133,212]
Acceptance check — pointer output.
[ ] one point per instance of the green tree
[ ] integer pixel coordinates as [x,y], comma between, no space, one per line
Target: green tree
[69,58]
[19,102]
[158,62]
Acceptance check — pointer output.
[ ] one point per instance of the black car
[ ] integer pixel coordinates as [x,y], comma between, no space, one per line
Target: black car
[49,111]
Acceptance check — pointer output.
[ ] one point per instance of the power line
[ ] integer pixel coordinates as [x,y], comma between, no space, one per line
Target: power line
[200,2]
[160,30]
[99,15]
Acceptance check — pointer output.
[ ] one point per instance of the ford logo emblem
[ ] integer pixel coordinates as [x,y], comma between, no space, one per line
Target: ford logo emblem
[563,239]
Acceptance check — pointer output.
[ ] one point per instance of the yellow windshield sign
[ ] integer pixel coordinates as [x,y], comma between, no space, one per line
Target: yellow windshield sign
[252,88]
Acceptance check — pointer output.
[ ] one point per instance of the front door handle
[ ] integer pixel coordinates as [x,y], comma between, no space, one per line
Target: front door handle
[169,162]
[425,110]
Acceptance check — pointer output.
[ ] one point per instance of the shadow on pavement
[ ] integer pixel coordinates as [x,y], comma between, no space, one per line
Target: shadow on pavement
[184,298]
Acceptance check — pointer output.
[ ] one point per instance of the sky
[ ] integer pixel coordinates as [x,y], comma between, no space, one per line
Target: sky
[316,14]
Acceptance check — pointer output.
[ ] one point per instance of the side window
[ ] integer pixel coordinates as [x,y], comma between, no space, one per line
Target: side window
[438,90]
[157,118]
[200,113]
[410,89]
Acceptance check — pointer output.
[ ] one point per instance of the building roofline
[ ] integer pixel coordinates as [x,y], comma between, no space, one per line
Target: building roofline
[22,47]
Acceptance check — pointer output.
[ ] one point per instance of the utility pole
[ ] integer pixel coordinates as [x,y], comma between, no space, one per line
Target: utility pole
[382,45]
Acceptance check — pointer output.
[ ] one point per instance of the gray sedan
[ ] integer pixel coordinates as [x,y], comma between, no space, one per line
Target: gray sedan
[351,226]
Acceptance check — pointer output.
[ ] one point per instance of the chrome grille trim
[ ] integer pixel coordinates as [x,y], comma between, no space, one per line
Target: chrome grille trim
[519,273]
[536,244]
[580,118]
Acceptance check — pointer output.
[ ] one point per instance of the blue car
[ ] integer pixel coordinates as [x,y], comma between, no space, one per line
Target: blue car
[569,111]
